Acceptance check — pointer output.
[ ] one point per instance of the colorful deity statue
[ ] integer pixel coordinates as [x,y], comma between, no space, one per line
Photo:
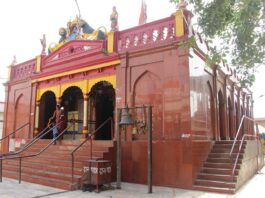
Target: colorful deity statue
[78,29]
[73,29]
[114,19]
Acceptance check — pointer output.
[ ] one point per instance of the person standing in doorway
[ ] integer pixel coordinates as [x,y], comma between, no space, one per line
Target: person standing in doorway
[54,121]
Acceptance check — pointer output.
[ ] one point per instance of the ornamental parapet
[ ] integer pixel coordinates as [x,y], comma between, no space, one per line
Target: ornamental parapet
[23,70]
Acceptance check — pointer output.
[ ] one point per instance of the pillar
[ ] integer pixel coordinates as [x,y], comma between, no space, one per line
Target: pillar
[85,118]
[37,113]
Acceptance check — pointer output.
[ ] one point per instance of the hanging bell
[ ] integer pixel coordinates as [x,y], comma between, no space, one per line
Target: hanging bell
[126,118]
[134,130]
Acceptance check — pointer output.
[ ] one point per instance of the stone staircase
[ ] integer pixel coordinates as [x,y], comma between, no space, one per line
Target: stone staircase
[54,166]
[216,172]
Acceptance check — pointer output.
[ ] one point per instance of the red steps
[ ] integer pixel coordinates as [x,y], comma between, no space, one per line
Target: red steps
[54,166]
[216,172]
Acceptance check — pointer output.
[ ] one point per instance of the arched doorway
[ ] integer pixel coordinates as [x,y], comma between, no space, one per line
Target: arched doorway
[221,116]
[230,119]
[101,107]
[20,118]
[73,103]
[211,125]
[47,107]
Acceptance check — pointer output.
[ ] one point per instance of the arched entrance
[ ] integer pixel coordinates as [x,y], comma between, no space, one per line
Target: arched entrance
[73,103]
[47,107]
[20,118]
[221,116]
[101,107]
[230,120]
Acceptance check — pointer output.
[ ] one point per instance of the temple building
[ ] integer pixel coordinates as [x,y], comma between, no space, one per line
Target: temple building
[203,136]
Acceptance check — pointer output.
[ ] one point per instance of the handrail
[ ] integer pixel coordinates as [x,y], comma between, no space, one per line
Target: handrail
[241,144]
[238,131]
[38,137]
[8,136]
[89,138]
[32,155]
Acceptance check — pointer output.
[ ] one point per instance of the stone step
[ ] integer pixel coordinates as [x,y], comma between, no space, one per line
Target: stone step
[223,160]
[220,165]
[225,155]
[217,177]
[219,171]
[212,183]
[214,189]
[66,185]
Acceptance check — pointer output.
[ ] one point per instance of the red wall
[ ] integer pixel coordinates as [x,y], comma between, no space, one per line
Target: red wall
[19,109]
[159,78]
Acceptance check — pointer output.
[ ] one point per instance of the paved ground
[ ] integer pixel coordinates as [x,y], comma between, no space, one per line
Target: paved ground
[9,188]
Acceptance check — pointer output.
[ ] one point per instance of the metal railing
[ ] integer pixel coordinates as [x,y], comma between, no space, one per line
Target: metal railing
[242,140]
[239,129]
[240,147]
[90,138]
[34,140]
[32,155]
[12,133]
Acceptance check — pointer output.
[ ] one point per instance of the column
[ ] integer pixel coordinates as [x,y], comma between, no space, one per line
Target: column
[37,113]
[85,119]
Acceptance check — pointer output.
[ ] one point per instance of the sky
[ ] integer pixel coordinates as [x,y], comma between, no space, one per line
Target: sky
[25,22]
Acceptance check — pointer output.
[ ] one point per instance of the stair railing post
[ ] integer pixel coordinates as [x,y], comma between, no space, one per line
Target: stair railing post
[149,153]
[1,170]
[118,163]
[73,168]
[20,162]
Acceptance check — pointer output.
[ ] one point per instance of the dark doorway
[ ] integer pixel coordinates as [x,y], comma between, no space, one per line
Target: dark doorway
[221,116]
[73,103]
[102,98]
[47,107]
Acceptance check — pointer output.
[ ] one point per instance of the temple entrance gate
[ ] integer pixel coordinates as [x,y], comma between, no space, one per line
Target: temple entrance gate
[47,107]
[73,103]
[101,107]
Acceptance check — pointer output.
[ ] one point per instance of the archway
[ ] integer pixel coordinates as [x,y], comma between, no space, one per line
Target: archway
[73,103]
[211,118]
[20,118]
[230,119]
[47,107]
[101,107]
[221,116]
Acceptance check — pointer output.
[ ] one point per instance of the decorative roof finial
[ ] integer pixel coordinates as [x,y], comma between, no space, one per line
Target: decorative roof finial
[182,5]
[43,43]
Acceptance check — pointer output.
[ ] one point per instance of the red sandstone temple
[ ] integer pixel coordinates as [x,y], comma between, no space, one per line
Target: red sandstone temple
[203,136]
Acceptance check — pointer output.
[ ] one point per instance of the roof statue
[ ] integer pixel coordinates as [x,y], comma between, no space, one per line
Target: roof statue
[78,29]
[14,61]
[43,43]
[182,5]
[114,19]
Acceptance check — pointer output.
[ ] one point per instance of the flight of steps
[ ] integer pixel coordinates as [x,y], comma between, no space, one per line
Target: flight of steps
[53,167]
[216,172]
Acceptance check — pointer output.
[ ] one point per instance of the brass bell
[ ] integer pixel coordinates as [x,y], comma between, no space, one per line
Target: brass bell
[126,118]
[134,131]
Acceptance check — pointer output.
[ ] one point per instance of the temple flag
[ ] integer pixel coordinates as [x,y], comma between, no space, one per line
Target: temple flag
[143,14]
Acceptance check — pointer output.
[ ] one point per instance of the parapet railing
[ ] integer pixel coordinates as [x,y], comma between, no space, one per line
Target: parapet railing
[23,70]
[32,155]
[90,138]
[13,133]
[156,32]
